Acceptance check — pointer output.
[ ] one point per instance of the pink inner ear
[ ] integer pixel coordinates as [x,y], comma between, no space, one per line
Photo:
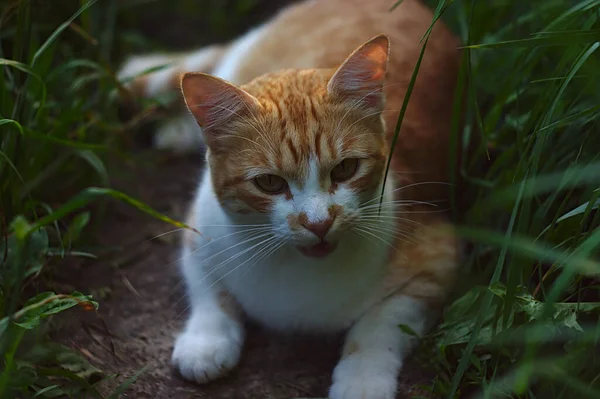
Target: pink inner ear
[214,101]
[360,78]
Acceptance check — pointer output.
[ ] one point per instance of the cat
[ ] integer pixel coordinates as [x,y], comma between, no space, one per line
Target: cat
[297,117]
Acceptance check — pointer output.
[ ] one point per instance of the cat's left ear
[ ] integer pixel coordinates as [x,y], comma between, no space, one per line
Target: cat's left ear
[359,80]
[213,101]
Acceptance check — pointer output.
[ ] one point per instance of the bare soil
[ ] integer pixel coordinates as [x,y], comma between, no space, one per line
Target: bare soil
[142,307]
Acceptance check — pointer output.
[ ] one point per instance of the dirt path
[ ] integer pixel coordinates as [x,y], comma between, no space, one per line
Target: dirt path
[145,308]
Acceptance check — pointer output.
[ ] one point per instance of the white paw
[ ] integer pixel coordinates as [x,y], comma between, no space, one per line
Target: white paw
[181,134]
[357,377]
[205,357]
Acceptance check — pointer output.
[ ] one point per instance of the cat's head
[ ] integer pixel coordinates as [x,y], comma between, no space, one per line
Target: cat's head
[303,148]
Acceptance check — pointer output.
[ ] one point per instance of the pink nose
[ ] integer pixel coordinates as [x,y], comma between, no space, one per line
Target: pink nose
[320,229]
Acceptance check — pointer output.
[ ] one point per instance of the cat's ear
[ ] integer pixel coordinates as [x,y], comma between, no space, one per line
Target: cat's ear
[359,80]
[214,101]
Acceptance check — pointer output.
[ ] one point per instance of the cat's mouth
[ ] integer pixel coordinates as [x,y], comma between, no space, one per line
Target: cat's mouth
[319,250]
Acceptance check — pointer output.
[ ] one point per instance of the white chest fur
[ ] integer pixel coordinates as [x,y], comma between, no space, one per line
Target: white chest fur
[285,290]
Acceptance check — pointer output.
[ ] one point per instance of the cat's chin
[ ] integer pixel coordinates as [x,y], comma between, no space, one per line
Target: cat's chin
[320,250]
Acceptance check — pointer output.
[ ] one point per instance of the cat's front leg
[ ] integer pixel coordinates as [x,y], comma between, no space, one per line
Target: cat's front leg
[211,343]
[375,349]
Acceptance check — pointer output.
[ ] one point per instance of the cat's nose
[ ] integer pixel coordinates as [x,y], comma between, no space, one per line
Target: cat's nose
[319,229]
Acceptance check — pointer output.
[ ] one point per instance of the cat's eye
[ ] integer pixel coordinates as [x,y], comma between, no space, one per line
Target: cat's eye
[271,184]
[344,170]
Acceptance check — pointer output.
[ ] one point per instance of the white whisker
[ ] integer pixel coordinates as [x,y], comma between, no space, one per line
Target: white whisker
[274,248]
[376,236]
[406,187]
[209,243]
[233,257]
[360,233]
[270,240]
[238,254]
[406,202]
[391,232]
[373,218]
[254,230]
[164,234]
[384,241]
[233,225]
[401,211]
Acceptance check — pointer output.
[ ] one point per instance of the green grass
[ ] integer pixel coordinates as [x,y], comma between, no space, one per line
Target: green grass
[59,125]
[529,326]
[526,324]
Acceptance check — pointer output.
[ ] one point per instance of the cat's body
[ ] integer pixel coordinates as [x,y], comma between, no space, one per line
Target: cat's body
[288,206]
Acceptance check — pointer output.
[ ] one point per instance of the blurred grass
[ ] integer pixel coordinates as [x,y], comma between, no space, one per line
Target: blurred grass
[529,326]
[526,327]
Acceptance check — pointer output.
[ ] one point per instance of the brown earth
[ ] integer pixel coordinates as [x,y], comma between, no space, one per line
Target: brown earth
[143,306]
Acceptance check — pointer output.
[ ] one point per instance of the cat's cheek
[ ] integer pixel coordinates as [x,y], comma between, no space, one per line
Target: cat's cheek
[345,197]
[348,202]
[280,216]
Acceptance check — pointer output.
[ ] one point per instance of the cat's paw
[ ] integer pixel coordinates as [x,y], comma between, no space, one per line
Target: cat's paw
[203,357]
[181,134]
[359,377]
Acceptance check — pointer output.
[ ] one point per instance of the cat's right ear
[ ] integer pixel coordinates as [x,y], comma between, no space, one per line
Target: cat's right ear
[214,101]
[359,80]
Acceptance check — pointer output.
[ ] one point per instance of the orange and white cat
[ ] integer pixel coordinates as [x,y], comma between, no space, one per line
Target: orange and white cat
[297,116]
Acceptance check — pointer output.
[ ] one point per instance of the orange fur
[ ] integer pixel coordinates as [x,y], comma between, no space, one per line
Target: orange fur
[423,266]
[320,34]
[298,119]
[289,114]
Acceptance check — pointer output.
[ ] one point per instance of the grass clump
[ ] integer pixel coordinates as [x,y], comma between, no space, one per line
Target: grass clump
[58,122]
[54,108]
[529,325]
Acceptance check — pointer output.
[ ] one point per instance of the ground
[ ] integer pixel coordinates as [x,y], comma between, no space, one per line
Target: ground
[143,306]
